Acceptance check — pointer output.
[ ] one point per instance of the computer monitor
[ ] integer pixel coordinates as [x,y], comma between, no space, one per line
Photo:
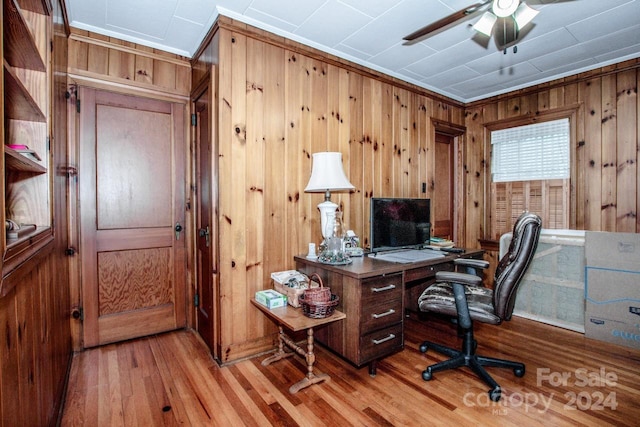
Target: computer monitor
[399,223]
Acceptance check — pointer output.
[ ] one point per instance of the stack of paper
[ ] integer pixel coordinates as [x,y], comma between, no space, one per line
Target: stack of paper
[441,243]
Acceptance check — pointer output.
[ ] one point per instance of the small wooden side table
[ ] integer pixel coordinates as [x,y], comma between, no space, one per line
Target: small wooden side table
[294,320]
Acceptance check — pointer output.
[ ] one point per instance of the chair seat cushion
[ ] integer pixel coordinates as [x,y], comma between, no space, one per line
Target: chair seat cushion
[438,298]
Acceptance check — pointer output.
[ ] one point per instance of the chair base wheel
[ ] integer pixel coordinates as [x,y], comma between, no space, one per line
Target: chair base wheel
[424,348]
[426,374]
[518,372]
[495,394]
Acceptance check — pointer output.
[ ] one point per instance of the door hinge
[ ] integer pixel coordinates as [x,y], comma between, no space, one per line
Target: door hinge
[196,300]
[194,120]
[70,251]
[77,105]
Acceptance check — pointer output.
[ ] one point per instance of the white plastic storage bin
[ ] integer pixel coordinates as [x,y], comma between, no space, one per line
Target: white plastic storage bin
[552,290]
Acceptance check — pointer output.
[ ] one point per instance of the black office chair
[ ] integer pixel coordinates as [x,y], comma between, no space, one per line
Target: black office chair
[461,295]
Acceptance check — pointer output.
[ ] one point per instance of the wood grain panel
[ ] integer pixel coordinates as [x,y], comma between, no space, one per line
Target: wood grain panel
[134,280]
[258,140]
[93,56]
[627,151]
[590,162]
[609,154]
[126,166]
[360,203]
[294,154]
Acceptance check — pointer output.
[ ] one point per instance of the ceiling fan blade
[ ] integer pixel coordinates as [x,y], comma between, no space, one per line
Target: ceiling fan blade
[447,20]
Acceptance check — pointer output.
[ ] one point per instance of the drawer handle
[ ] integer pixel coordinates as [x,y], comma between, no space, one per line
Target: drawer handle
[385,339]
[386,313]
[384,288]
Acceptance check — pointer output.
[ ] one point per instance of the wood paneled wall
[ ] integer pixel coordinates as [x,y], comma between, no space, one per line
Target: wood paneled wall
[604,176]
[34,315]
[277,105]
[112,64]
[34,319]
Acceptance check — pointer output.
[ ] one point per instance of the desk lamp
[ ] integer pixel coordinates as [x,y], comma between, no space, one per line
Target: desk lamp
[327,175]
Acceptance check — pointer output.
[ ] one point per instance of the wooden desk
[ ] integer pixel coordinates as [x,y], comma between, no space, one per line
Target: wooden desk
[294,320]
[374,295]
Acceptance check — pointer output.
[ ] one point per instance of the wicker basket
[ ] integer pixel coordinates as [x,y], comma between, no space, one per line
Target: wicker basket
[318,303]
[319,294]
[293,294]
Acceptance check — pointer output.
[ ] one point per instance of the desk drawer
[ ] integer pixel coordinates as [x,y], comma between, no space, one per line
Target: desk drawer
[383,288]
[381,315]
[381,343]
[426,273]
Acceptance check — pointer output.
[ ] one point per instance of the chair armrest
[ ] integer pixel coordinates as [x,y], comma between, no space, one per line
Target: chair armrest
[470,262]
[455,277]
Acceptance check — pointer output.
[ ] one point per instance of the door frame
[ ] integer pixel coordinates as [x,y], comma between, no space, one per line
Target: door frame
[457,132]
[75,239]
[207,83]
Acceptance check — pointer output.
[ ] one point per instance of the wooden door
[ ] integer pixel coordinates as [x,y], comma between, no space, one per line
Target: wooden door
[131,181]
[442,199]
[206,230]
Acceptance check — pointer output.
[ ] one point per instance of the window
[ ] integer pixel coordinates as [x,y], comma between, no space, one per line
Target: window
[530,169]
[532,152]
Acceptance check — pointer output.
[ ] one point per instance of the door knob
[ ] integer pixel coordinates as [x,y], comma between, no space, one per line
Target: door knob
[204,233]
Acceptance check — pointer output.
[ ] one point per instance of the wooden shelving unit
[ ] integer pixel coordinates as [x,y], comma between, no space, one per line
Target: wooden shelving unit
[26,95]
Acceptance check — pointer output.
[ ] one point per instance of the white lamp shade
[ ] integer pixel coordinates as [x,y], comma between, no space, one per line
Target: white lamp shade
[485,23]
[327,174]
[524,15]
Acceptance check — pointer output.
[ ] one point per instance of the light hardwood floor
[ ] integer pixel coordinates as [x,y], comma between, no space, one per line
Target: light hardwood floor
[170,379]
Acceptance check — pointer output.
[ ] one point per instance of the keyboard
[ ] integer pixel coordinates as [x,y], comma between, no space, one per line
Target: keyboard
[410,255]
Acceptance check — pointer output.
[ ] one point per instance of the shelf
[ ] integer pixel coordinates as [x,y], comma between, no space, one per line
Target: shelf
[17,162]
[22,255]
[13,243]
[20,49]
[18,104]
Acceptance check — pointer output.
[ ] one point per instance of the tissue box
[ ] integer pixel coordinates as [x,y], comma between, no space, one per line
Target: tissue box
[271,299]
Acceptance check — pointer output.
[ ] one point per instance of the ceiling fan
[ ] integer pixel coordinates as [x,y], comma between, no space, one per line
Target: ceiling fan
[503,18]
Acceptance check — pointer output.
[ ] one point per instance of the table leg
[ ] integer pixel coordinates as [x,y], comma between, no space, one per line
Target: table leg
[373,368]
[310,358]
[280,353]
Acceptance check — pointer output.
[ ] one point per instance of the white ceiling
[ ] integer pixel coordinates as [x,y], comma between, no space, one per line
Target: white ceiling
[567,36]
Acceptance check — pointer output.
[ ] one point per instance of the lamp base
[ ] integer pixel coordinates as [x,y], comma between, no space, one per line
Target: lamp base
[326,208]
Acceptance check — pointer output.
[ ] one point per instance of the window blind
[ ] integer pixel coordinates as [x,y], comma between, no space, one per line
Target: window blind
[532,152]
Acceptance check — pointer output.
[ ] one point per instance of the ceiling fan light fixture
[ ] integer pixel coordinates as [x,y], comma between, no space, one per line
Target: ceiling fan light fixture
[485,23]
[524,14]
[504,8]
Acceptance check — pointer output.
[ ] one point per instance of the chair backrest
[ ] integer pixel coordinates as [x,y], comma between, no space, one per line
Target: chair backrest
[514,263]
